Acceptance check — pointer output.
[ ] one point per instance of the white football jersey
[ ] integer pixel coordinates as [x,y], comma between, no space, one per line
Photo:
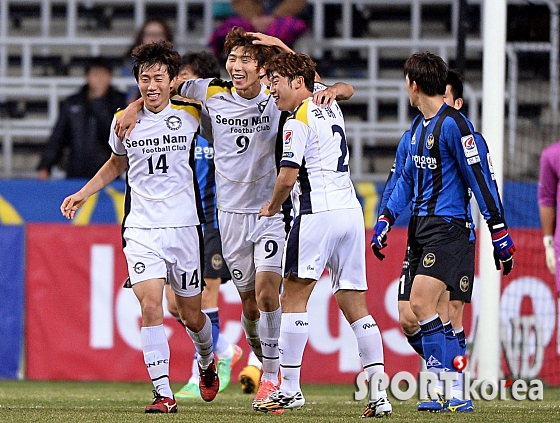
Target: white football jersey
[244,132]
[315,142]
[160,178]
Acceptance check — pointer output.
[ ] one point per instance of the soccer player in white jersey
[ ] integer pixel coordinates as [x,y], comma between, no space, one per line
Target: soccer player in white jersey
[328,231]
[245,123]
[161,228]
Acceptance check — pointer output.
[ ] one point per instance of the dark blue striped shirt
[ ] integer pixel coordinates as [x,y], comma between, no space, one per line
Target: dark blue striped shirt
[446,159]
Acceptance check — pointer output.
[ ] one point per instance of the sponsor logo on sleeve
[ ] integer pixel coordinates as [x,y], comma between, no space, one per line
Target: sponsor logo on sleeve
[473,160]
[288,135]
[469,146]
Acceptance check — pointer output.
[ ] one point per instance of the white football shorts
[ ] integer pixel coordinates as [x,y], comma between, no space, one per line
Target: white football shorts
[251,245]
[166,253]
[332,240]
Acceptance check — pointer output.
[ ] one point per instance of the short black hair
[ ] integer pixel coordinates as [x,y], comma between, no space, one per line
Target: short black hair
[454,79]
[152,54]
[292,65]
[98,62]
[429,71]
[202,64]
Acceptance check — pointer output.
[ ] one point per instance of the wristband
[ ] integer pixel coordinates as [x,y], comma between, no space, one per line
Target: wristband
[548,241]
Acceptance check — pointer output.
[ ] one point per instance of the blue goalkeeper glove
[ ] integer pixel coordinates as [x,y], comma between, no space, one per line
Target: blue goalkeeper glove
[504,248]
[379,239]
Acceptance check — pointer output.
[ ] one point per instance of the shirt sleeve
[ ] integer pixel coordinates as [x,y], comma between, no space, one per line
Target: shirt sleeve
[396,170]
[548,180]
[294,139]
[403,191]
[475,163]
[117,146]
[195,89]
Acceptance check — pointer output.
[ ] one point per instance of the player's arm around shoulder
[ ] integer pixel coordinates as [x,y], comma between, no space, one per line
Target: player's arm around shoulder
[126,119]
[339,91]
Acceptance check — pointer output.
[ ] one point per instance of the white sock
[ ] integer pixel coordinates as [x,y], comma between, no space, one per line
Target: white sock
[457,389]
[223,348]
[254,361]
[156,356]
[251,328]
[269,331]
[203,343]
[294,332]
[194,376]
[370,347]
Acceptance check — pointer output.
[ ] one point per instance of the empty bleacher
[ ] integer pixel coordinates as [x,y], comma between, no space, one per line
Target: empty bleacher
[363,42]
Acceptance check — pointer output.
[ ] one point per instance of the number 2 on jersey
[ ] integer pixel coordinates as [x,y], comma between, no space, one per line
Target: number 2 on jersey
[160,165]
[343,158]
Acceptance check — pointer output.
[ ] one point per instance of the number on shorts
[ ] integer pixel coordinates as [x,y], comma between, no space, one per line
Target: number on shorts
[271,247]
[160,165]
[401,284]
[195,281]
[243,143]
[341,167]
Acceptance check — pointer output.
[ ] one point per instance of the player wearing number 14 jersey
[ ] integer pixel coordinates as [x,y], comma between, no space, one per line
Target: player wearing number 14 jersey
[162,236]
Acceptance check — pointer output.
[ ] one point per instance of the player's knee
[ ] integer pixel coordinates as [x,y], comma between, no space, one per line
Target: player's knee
[152,313]
[268,300]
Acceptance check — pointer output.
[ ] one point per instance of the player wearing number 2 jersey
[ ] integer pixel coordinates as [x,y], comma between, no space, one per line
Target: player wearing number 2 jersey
[328,231]
[161,229]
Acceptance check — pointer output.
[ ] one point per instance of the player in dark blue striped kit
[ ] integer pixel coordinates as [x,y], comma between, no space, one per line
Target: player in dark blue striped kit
[453,317]
[446,161]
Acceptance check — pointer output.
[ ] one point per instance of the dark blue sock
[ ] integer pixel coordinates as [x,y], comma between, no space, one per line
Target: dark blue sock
[451,346]
[433,344]
[214,318]
[415,341]
[462,341]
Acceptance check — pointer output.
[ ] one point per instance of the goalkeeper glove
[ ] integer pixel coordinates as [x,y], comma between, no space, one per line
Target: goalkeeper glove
[548,242]
[503,247]
[379,239]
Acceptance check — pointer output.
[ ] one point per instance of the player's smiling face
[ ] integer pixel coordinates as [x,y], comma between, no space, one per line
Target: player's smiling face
[283,93]
[244,72]
[155,87]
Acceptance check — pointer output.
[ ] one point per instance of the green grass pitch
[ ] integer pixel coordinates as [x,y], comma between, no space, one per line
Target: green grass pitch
[31,401]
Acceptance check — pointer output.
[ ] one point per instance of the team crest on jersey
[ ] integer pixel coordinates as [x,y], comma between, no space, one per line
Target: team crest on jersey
[413,140]
[139,267]
[173,122]
[262,105]
[464,284]
[288,139]
[469,146]
[430,142]
[429,260]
